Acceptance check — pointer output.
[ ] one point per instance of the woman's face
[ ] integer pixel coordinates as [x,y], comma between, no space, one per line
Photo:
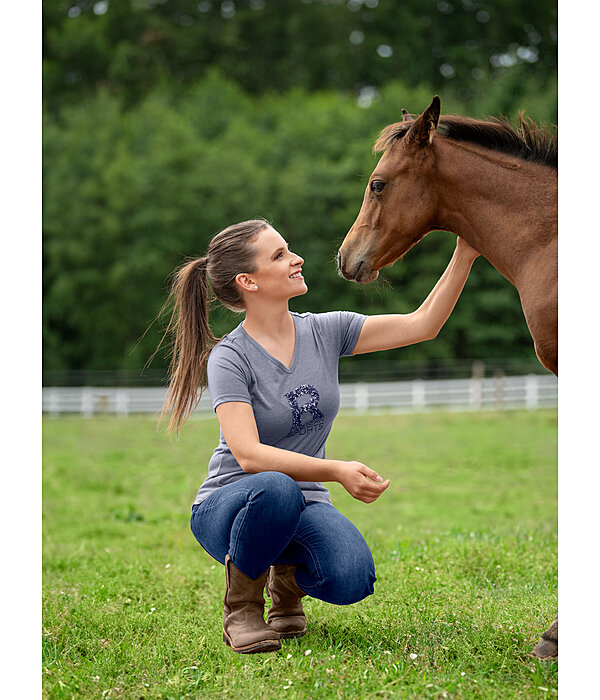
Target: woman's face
[278,271]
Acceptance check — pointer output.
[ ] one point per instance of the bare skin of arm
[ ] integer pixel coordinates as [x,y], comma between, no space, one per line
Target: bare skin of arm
[241,434]
[397,330]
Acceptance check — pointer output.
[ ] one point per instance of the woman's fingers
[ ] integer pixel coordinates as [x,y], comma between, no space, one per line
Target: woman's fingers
[363,483]
[370,473]
[372,491]
[371,498]
[378,487]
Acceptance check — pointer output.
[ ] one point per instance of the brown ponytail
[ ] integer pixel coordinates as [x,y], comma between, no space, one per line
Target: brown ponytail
[230,252]
[193,340]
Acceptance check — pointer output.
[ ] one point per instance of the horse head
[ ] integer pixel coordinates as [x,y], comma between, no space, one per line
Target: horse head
[399,205]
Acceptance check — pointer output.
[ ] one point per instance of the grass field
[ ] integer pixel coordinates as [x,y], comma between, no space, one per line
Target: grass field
[464,542]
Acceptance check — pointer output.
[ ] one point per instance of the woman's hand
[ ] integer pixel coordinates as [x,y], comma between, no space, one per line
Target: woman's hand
[397,330]
[362,483]
[465,249]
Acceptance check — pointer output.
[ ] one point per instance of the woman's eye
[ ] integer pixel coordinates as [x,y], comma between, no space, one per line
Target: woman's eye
[377,186]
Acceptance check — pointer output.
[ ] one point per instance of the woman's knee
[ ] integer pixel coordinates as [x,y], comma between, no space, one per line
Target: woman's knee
[277,486]
[277,497]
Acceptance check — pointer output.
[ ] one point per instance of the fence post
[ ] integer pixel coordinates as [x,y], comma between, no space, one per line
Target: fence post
[499,388]
[476,385]
[122,400]
[53,404]
[361,397]
[418,394]
[531,392]
[87,402]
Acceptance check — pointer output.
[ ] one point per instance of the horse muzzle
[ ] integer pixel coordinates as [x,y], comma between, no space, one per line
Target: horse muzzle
[355,269]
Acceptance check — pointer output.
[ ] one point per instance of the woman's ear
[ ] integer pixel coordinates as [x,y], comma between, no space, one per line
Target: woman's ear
[246,282]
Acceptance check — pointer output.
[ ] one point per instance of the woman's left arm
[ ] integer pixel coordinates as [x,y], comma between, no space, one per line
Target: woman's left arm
[396,330]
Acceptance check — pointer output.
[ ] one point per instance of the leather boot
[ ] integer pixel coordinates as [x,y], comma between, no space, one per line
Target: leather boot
[547,647]
[286,615]
[244,626]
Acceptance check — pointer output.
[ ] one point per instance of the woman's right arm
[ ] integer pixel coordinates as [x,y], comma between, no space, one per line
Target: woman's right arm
[241,434]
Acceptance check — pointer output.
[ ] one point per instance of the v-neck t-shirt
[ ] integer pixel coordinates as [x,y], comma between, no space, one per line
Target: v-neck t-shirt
[294,407]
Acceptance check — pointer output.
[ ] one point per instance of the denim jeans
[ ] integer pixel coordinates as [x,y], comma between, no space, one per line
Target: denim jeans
[263,519]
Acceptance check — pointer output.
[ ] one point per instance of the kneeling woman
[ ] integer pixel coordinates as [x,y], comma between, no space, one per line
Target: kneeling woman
[263,510]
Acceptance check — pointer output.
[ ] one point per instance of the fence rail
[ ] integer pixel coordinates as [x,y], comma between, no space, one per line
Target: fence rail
[477,393]
[356,369]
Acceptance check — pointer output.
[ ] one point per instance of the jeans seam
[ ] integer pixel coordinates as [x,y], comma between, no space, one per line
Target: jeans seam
[235,546]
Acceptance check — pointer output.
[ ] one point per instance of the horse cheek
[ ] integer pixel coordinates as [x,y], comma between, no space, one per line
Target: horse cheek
[414,214]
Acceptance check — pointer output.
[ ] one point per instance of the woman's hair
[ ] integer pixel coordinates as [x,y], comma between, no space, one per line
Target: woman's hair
[230,252]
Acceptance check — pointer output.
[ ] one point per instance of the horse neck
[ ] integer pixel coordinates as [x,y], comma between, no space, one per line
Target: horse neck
[503,206]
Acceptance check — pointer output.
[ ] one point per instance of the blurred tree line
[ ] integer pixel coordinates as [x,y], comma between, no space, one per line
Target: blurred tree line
[167,120]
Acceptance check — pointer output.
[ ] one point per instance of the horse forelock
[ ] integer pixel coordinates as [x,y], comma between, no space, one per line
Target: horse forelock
[389,135]
[529,141]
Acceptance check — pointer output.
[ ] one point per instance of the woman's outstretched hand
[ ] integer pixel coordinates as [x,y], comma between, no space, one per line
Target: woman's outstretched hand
[361,482]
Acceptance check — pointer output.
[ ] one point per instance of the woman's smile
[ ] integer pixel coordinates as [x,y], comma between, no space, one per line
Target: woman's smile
[274,259]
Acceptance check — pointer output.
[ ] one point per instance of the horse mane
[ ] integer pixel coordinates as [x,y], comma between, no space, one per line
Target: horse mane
[536,143]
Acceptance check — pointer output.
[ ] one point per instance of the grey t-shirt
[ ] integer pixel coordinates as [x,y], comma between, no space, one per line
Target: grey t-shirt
[294,406]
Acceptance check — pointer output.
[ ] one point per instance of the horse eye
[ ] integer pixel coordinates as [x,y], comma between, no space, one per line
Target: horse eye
[377,186]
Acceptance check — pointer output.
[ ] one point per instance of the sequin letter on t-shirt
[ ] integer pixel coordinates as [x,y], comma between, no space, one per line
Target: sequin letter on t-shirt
[298,427]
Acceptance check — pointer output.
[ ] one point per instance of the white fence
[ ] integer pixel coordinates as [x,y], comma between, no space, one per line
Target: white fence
[530,391]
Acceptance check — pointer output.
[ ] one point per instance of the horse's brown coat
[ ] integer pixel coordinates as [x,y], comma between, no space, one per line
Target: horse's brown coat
[492,186]
[502,199]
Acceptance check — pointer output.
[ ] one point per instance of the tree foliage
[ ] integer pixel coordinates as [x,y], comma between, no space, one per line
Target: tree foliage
[158,133]
[274,45]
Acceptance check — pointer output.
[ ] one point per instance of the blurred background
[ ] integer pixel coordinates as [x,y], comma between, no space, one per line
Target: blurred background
[167,120]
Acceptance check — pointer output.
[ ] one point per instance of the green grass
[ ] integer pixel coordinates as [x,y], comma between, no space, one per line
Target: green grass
[464,542]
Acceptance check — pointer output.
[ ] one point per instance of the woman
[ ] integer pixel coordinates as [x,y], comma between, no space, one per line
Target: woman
[263,510]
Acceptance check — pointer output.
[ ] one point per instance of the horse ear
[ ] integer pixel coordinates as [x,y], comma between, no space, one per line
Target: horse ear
[406,117]
[421,132]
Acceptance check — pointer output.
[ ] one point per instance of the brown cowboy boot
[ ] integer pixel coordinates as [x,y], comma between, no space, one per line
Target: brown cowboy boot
[547,647]
[244,626]
[286,614]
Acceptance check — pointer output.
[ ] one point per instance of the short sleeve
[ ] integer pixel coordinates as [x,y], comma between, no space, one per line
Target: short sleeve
[341,328]
[227,376]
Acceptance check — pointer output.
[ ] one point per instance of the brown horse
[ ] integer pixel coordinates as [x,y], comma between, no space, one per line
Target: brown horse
[485,182]
[488,183]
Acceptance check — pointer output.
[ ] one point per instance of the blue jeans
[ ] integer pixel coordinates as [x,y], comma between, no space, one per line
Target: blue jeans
[263,519]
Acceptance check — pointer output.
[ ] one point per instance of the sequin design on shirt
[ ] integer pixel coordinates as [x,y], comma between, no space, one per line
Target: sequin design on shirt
[317,420]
